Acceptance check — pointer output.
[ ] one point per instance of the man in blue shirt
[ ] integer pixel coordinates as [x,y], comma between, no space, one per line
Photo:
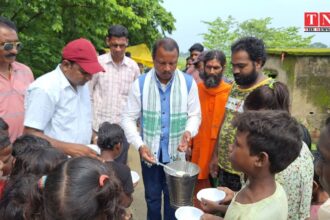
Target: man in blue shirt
[166,101]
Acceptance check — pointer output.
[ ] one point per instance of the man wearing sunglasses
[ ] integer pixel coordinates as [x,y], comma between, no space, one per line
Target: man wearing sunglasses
[110,90]
[14,79]
[58,106]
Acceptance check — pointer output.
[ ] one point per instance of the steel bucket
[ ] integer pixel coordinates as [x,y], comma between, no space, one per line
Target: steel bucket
[181,188]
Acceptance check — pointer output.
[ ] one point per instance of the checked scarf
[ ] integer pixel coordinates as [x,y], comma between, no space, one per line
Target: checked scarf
[151,113]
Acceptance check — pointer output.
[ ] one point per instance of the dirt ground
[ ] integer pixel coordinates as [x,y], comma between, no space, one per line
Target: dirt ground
[138,207]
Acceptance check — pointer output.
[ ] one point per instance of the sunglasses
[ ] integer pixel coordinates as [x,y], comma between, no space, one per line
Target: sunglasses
[8,46]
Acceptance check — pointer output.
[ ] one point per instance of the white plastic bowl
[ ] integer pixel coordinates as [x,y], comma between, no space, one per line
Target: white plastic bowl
[94,148]
[212,194]
[135,177]
[188,213]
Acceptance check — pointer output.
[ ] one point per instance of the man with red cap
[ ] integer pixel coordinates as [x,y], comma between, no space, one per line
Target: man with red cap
[58,106]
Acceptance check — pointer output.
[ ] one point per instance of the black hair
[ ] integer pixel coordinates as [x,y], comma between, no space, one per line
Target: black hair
[273,96]
[253,46]
[34,155]
[167,44]
[273,132]
[4,139]
[215,54]
[27,143]
[3,125]
[109,135]
[196,46]
[22,199]
[73,191]
[117,30]
[101,51]
[4,22]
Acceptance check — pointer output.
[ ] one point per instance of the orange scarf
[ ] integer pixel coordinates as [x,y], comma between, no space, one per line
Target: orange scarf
[213,101]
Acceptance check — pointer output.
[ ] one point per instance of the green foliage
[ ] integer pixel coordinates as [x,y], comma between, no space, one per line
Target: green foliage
[45,26]
[300,51]
[222,33]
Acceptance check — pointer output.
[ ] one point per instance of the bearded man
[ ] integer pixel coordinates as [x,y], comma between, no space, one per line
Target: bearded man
[247,59]
[213,94]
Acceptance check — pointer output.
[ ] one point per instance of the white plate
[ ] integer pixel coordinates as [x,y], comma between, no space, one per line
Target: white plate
[135,177]
[212,194]
[94,148]
[188,212]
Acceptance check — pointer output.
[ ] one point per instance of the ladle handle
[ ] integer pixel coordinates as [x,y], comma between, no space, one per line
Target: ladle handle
[165,166]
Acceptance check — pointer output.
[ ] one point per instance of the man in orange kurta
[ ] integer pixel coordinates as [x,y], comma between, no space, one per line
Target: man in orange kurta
[213,94]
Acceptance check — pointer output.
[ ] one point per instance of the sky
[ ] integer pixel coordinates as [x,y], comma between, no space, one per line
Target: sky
[189,15]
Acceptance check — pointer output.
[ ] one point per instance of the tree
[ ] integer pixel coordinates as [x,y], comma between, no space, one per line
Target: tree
[45,26]
[222,33]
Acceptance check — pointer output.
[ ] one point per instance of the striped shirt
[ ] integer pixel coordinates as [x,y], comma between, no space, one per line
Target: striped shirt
[109,90]
[12,93]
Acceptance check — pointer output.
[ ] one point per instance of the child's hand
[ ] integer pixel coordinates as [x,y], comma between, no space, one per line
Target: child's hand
[229,195]
[210,217]
[210,206]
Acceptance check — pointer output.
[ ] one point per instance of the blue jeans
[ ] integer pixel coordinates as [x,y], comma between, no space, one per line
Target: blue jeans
[154,184]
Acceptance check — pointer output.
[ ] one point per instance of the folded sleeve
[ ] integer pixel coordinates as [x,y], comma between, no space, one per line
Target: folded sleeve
[39,108]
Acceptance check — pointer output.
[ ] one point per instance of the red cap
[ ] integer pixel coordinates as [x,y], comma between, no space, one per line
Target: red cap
[82,52]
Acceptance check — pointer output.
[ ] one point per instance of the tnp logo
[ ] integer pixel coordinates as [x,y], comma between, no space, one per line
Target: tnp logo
[317,21]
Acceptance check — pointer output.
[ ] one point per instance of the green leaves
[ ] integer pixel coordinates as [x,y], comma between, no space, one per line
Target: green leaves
[45,26]
[222,33]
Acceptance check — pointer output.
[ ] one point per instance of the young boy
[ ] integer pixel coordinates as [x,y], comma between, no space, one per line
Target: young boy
[266,142]
[110,139]
[322,168]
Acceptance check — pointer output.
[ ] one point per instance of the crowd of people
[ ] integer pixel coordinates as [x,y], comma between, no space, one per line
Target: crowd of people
[239,132]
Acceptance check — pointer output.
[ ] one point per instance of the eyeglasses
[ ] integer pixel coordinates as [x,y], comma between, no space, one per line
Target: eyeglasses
[121,46]
[8,46]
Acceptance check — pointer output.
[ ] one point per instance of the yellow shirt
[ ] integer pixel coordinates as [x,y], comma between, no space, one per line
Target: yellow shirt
[234,105]
[274,207]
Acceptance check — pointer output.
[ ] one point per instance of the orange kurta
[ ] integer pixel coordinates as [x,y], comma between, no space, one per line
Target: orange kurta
[213,101]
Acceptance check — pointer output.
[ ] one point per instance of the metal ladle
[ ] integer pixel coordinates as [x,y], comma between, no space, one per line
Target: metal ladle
[177,172]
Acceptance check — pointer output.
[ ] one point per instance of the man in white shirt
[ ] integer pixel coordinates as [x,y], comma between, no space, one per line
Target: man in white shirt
[167,102]
[110,89]
[57,104]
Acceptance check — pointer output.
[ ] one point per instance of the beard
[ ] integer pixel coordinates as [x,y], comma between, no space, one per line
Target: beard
[245,80]
[210,80]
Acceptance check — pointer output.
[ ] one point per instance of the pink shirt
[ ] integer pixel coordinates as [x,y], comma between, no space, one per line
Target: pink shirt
[109,90]
[12,93]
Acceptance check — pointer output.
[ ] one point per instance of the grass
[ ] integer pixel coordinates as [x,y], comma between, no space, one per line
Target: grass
[300,51]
